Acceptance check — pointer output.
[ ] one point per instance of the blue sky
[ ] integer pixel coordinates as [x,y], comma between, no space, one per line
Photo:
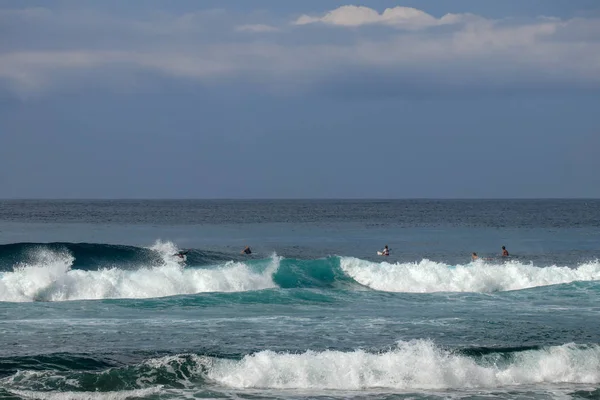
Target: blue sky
[290,99]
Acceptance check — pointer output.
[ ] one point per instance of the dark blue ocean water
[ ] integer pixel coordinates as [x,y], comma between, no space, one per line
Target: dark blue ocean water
[94,304]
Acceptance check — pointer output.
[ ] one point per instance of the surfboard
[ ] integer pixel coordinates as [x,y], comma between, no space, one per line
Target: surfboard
[379,253]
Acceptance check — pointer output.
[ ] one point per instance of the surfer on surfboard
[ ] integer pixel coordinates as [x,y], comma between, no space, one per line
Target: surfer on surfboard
[181,255]
[475,257]
[385,251]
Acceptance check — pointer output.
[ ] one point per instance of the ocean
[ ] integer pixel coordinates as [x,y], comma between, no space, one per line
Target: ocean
[94,303]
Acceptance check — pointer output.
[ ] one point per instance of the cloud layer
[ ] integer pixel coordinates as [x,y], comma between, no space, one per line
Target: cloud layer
[45,50]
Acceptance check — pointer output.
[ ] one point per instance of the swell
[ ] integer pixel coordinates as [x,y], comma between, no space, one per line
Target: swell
[55,362]
[92,256]
[413,365]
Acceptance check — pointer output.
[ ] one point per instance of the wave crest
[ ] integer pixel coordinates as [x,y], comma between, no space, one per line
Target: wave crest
[429,276]
[50,275]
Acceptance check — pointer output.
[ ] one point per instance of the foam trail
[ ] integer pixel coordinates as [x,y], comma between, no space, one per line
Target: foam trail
[412,365]
[121,395]
[428,276]
[53,280]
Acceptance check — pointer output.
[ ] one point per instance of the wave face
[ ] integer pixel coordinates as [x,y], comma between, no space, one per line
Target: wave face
[52,273]
[90,256]
[315,274]
[418,364]
[429,276]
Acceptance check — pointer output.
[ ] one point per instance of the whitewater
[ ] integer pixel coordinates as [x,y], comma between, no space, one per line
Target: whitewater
[412,365]
[53,279]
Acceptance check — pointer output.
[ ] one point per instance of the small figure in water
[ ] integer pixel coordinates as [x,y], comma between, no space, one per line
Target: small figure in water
[386,251]
[475,257]
[181,254]
[504,252]
[246,250]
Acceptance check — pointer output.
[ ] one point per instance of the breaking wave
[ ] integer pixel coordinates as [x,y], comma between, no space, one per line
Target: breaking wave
[52,278]
[51,273]
[428,276]
[417,364]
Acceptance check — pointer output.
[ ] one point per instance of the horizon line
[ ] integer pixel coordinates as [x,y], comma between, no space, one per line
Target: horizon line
[282,198]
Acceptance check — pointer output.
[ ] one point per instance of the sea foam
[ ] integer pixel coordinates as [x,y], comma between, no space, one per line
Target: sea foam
[417,364]
[428,276]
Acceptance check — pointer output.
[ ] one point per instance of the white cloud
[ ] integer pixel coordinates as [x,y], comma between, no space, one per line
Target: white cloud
[401,17]
[475,51]
[256,28]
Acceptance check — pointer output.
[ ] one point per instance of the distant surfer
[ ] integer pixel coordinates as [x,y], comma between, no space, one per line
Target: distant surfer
[475,257]
[385,251]
[504,252]
[181,255]
[246,250]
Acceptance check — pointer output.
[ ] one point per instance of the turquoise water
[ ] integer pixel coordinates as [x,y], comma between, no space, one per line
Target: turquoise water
[93,304]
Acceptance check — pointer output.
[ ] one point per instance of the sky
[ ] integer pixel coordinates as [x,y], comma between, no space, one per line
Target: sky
[300,99]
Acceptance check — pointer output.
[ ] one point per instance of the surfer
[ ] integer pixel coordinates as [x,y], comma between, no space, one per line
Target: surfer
[475,257]
[246,250]
[181,254]
[385,251]
[504,252]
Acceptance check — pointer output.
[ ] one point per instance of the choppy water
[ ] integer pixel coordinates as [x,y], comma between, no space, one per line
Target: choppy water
[94,304]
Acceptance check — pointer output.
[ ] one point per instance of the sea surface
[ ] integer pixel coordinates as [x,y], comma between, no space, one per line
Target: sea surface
[94,304]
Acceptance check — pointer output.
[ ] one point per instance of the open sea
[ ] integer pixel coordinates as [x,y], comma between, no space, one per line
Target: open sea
[94,304]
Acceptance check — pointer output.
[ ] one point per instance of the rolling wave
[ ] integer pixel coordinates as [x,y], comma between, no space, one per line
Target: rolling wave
[49,273]
[413,365]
